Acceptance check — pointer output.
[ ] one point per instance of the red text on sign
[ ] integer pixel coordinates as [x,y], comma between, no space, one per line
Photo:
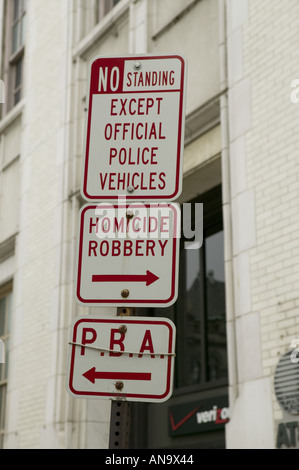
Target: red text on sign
[117,344]
[140,106]
[127,248]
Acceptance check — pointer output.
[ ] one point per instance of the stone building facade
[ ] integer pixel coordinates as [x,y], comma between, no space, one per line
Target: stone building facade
[237,311]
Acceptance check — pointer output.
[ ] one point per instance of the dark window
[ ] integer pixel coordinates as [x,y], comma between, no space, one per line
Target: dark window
[200,310]
[104,6]
[201,353]
[17,56]
[199,313]
[18,25]
[14,48]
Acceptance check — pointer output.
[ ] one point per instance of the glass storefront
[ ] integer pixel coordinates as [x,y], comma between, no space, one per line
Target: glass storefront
[200,381]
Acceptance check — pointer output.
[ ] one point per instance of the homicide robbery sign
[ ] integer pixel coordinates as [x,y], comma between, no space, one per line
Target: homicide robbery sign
[135,128]
[128,254]
[121,357]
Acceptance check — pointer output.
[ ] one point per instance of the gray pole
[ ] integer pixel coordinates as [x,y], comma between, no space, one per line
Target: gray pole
[120,412]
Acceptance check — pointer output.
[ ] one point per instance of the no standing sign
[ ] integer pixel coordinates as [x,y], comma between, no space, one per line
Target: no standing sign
[135,128]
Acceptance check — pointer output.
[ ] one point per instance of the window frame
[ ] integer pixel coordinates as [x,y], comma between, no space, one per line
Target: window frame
[14,58]
[5,293]
[212,224]
[104,7]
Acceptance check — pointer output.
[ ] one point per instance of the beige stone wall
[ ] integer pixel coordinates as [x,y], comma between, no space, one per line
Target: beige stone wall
[263,125]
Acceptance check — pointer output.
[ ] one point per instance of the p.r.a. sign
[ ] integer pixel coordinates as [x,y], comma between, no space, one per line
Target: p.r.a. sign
[129,358]
[135,128]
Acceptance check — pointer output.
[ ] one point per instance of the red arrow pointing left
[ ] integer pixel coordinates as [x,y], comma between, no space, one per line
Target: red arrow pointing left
[148,278]
[92,375]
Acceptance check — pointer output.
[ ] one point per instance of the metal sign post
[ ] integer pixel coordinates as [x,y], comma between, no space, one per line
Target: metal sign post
[119,425]
[120,411]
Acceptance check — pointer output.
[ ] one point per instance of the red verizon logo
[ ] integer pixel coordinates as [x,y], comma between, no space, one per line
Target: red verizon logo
[215,415]
[218,415]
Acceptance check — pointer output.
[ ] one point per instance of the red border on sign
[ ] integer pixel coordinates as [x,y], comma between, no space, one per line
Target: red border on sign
[119,394]
[121,61]
[124,302]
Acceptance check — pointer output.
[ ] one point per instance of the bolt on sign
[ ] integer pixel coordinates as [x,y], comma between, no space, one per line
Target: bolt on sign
[128,254]
[129,358]
[135,128]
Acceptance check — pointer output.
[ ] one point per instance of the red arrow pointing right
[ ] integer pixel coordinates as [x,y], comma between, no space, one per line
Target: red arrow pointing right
[149,278]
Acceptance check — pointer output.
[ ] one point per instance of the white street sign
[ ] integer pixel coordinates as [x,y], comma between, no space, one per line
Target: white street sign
[135,128]
[128,255]
[129,358]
